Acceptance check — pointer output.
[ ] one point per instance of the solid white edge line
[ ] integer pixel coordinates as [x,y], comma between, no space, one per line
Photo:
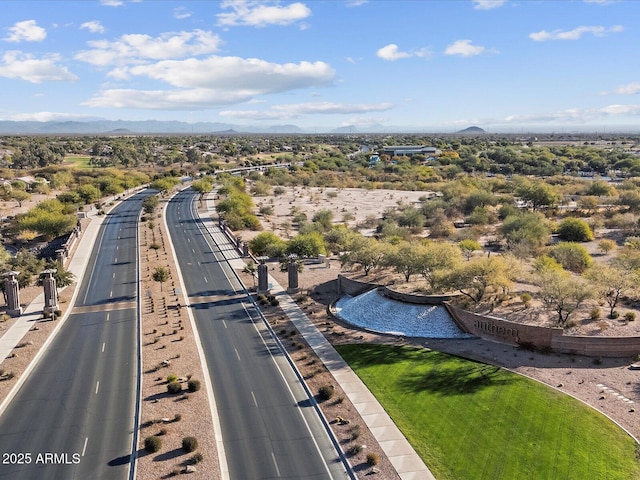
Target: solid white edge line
[84,448]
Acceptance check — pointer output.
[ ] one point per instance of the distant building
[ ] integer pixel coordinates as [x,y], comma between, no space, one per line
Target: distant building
[394,150]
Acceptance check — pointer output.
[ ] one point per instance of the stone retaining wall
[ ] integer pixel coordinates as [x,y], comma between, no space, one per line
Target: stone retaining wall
[501,330]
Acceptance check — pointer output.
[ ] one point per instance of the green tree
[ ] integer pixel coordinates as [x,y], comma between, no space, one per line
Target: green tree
[89,193]
[251,269]
[476,278]
[538,194]
[48,219]
[161,275]
[406,259]
[306,245]
[572,256]
[575,230]
[19,196]
[613,282]
[528,230]
[366,252]
[436,258]
[468,246]
[561,293]
[149,204]
[324,219]
[267,244]
[606,245]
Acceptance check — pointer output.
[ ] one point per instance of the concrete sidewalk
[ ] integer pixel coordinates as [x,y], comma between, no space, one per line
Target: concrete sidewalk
[394,444]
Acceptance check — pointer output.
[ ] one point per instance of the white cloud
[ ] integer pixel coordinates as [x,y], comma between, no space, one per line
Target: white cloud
[235,73]
[27,31]
[600,2]
[577,115]
[134,48]
[94,26]
[112,3]
[260,14]
[282,112]
[356,3]
[181,13]
[575,34]
[628,89]
[464,48]
[194,99]
[392,53]
[26,67]
[488,4]
[50,116]
[211,82]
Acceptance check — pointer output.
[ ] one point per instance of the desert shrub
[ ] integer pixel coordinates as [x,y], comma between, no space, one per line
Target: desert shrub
[571,256]
[630,316]
[526,299]
[373,459]
[155,246]
[177,417]
[575,230]
[275,302]
[614,315]
[196,458]
[595,313]
[354,449]
[163,431]
[326,392]
[152,444]
[193,385]
[174,387]
[172,378]
[189,444]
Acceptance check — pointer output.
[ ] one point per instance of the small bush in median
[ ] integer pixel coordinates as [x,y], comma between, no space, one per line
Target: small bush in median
[326,392]
[193,385]
[174,387]
[373,459]
[152,444]
[172,378]
[189,444]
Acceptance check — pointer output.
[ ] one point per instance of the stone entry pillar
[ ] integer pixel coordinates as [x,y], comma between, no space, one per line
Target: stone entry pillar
[263,276]
[50,292]
[292,272]
[12,293]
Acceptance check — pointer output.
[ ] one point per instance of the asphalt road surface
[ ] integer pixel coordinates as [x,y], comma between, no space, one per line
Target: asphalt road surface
[74,416]
[269,427]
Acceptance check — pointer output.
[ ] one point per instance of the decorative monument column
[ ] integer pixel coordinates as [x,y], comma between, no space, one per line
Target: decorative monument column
[292,271]
[263,276]
[12,293]
[50,292]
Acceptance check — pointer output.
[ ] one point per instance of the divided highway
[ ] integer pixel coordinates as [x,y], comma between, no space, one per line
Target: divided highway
[268,426]
[74,416]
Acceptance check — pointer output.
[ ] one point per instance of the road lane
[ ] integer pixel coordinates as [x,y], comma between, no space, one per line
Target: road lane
[280,437]
[60,409]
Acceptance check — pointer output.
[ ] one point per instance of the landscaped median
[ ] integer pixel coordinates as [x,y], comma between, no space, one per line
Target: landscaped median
[472,421]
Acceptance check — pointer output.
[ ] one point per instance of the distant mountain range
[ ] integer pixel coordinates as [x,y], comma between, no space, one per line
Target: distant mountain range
[124,127]
[129,127]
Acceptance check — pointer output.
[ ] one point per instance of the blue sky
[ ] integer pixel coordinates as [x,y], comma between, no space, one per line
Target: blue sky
[425,65]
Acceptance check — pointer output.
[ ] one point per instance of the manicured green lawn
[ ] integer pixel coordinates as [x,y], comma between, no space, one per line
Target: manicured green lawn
[78,161]
[471,421]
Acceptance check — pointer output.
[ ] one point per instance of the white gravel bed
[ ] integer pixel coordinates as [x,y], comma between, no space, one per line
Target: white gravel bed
[384,315]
